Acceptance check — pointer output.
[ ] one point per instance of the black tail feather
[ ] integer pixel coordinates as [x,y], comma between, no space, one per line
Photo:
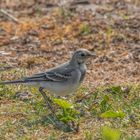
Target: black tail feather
[12,82]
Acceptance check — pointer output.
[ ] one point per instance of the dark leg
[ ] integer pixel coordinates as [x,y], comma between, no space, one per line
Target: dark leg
[59,124]
[47,100]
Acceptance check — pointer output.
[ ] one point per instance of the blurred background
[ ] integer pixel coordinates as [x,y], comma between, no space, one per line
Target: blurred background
[45,32]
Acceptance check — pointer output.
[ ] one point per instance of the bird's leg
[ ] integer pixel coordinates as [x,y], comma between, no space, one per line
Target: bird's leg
[47,100]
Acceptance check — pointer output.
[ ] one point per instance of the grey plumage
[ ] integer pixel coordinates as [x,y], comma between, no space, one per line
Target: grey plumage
[63,79]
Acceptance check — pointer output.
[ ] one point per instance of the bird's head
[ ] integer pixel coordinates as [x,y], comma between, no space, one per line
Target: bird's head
[80,56]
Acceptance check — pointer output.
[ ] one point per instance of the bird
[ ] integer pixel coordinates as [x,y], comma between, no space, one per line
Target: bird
[61,80]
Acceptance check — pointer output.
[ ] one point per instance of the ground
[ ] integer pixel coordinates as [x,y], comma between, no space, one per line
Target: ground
[45,34]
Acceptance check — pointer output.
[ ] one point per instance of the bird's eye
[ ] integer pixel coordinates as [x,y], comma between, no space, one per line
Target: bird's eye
[82,54]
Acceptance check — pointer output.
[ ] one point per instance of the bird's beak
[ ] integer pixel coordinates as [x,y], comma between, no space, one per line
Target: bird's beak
[92,54]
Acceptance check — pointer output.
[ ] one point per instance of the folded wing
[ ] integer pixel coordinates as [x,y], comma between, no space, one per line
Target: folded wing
[51,76]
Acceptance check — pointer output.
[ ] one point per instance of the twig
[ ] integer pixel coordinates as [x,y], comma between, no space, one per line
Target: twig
[9,16]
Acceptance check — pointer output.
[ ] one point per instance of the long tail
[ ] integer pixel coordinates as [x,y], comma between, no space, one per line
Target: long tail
[12,82]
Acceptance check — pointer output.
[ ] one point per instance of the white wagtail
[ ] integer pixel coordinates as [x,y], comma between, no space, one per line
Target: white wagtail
[61,80]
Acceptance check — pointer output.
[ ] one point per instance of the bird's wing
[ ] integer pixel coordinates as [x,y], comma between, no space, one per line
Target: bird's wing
[54,76]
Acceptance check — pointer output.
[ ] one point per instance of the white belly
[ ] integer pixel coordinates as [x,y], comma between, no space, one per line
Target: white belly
[60,89]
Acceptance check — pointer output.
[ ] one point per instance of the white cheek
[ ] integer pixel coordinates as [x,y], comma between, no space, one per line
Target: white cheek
[81,60]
